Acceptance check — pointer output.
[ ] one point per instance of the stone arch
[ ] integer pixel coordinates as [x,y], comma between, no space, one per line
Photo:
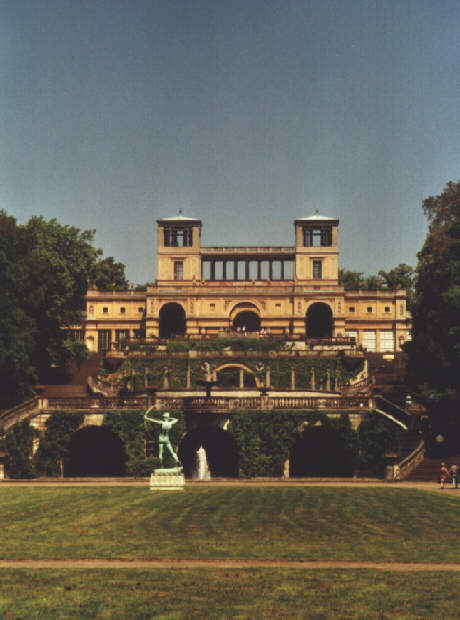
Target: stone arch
[229,376]
[221,451]
[246,314]
[173,320]
[95,451]
[320,451]
[319,320]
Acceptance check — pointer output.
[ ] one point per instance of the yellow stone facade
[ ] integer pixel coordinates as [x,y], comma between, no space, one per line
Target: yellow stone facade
[292,291]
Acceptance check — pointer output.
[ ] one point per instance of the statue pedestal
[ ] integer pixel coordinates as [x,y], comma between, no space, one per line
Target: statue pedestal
[166,481]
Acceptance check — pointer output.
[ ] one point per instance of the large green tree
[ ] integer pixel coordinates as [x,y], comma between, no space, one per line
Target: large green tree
[16,328]
[107,274]
[434,352]
[44,272]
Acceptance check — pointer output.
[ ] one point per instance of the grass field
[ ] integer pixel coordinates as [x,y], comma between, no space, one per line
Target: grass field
[380,524]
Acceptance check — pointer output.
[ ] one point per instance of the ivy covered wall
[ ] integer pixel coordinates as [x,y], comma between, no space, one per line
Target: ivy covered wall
[264,441]
[320,372]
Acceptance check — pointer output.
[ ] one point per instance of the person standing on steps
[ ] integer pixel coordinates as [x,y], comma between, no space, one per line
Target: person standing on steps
[453,475]
[443,474]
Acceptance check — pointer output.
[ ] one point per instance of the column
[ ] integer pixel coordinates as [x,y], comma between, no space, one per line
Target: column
[224,269]
[246,269]
[282,269]
[213,270]
[259,269]
[241,377]
[270,273]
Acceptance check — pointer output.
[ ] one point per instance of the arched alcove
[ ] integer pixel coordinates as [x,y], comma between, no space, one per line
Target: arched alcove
[247,320]
[221,451]
[320,451]
[318,321]
[95,451]
[172,320]
[229,376]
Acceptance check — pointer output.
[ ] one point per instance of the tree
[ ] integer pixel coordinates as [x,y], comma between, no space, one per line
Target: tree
[55,263]
[402,276]
[434,352]
[44,272]
[108,275]
[351,280]
[16,329]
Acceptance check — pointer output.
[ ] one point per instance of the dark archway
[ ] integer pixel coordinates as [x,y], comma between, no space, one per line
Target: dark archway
[320,451]
[319,321]
[247,320]
[95,451]
[229,377]
[221,452]
[172,320]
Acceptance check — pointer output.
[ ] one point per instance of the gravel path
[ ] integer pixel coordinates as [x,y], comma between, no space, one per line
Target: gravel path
[226,564]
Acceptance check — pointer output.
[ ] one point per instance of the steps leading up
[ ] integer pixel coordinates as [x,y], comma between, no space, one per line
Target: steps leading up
[428,470]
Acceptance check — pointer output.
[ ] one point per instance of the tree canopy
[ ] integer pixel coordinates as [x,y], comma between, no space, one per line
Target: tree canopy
[44,271]
[402,276]
[434,352]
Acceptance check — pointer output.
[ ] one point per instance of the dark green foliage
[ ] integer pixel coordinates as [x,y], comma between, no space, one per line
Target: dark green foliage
[134,431]
[54,445]
[44,270]
[152,370]
[434,352]
[402,276]
[265,439]
[18,445]
[376,436]
[109,275]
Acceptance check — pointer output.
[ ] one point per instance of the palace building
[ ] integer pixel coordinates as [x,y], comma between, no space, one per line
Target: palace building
[203,291]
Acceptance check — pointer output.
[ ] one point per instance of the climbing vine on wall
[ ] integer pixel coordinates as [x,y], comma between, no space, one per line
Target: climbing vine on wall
[310,373]
[134,432]
[17,443]
[54,443]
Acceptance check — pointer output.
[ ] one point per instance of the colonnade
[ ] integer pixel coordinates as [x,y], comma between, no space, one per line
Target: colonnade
[246,269]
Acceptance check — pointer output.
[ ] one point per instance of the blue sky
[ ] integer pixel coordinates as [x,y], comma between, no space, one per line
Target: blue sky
[245,114]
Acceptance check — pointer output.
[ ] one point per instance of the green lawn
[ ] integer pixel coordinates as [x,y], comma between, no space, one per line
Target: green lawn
[262,593]
[391,524]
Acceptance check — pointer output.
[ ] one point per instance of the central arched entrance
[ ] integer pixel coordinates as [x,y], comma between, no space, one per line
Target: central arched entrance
[172,320]
[235,376]
[320,451]
[221,451]
[95,451]
[318,321]
[245,317]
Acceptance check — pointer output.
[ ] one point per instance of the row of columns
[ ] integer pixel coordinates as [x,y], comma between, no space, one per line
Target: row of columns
[231,265]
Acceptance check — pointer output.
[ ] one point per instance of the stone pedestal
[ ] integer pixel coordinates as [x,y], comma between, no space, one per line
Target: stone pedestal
[166,481]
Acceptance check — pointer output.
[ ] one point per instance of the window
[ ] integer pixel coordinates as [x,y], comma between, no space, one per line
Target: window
[387,308]
[352,334]
[369,309]
[317,270]
[316,237]
[140,309]
[178,237]
[104,338]
[122,310]
[387,341]
[105,309]
[351,309]
[370,340]
[212,306]
[178,270]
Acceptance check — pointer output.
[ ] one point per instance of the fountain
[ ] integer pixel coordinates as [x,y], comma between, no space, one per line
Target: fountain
[201,471]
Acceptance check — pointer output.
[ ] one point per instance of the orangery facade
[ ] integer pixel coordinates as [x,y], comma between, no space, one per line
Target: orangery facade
[290,291]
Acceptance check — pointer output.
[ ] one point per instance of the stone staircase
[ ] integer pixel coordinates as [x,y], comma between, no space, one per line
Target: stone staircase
[428,470]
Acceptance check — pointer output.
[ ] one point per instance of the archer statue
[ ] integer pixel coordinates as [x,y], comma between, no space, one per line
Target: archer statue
[163,439]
